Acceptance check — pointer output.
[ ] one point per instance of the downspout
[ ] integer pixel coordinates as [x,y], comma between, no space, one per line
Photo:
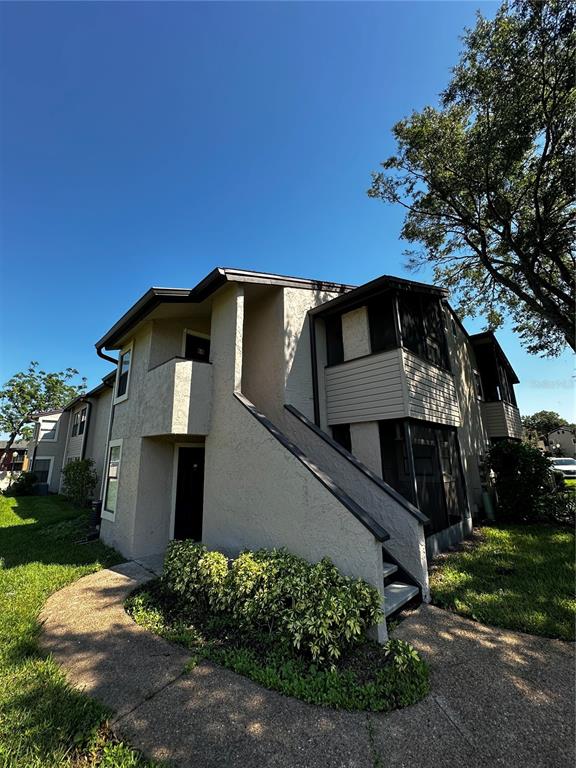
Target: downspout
[110,420]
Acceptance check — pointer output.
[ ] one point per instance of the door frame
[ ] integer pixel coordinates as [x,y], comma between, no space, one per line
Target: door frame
[177,447]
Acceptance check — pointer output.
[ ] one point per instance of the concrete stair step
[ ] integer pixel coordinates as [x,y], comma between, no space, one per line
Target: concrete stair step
[396,595]
[389,569]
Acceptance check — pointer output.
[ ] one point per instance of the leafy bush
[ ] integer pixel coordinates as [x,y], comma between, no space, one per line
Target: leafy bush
[23,485]
[197,576]
[79,481]
[524,481]
[312,607]
[368,676]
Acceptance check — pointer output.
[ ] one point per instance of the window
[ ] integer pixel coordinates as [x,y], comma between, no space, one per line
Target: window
[75,423]
[48,429]
[42,469]
[381,322]
[478,385]
[196,347]
[422,323]
[112,477]
[82,424]
[123,374]
[341,433]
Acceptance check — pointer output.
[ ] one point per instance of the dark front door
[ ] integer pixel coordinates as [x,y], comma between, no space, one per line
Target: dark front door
[189,494]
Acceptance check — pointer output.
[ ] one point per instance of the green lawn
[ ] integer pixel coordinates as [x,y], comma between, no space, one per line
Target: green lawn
[43,722]
[513,576]
[569,482]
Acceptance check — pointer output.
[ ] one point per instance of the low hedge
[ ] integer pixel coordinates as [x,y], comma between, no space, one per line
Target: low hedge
[312,607]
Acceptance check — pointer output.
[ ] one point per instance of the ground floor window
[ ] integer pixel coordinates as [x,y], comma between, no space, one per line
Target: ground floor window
[112,476]
[42,469]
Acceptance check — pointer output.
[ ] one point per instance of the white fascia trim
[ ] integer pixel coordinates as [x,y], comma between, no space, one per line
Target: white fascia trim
[129,346]
[105,513]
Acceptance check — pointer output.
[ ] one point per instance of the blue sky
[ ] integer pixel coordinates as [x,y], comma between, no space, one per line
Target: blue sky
[145,143]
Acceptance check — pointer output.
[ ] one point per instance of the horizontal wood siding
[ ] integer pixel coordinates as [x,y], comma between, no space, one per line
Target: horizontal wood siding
[366,389]
[502,420]
[431,392]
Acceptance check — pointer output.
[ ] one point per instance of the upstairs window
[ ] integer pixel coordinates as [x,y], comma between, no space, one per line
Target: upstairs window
[422,323]
[48,429]
[82,424]
[124,364]
[75,423]
[196,347]
[478,385]
[382,325]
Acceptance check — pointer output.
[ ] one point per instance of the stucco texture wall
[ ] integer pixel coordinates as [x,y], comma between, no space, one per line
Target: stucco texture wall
[407,542]
[257,494]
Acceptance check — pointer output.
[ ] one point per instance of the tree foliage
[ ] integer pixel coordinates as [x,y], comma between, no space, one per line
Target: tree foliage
[79,481]
[487,179]
[32,391]
[542,422]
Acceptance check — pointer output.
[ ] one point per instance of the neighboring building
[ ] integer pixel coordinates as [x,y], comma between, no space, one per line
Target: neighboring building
[562,442]
[77,431]
[256,410]
[16,460]
[46,448]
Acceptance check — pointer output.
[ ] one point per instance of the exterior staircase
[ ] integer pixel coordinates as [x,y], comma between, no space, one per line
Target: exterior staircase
[400,590]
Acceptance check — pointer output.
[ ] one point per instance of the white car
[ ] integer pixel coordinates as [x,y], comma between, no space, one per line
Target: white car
[566,466]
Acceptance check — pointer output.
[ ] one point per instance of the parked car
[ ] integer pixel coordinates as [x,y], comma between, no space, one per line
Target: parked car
[566,466]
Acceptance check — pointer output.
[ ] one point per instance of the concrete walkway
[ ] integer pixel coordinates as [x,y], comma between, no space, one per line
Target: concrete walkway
[498,698]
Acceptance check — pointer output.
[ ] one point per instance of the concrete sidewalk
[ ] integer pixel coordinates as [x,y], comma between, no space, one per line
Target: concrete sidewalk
[498,698]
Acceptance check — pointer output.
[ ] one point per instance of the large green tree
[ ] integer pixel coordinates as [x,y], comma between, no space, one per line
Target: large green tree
[542,422]
[487,178]
[31,391]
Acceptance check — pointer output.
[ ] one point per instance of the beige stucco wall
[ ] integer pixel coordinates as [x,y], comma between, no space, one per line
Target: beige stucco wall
[407,542]
[141,488]
[257,494]
[472,434]
[96,440]
[365,439]
[263,358]
[167,337]
[298,356]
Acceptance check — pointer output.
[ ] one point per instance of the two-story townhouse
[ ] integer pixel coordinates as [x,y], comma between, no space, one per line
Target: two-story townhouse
[77,431]
[257,410]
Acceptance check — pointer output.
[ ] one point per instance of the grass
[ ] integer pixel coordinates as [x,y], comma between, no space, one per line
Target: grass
[369,676]
[43,721]
[518,577]
[570,482]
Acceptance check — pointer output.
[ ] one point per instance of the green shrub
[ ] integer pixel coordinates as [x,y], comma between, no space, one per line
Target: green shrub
[79,481]
[369,676]
[312,607]
[23,485]
[524,481]
[197,576]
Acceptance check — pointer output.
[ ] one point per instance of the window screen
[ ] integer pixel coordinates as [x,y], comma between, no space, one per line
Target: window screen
[123,372]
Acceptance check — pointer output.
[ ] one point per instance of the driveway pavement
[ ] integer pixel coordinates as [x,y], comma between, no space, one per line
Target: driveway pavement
[498,697]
